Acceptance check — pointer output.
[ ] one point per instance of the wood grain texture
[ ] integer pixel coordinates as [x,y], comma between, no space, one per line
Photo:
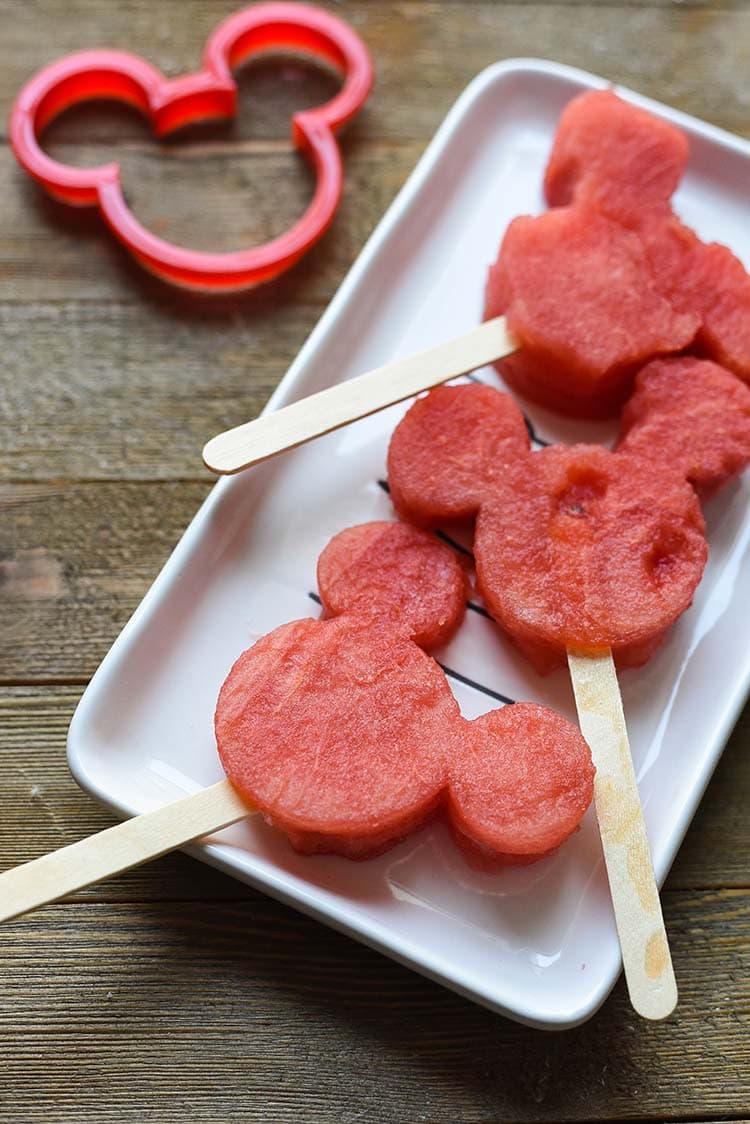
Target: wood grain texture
[216,196]
[173,992]
[247,1011]
[122,391]
[140,839]
[75,562]
[424,52]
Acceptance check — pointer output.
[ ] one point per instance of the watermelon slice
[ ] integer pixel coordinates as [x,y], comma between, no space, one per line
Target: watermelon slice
[692,415]
[707,281]
[578,294]
[575,547]
[611,278]
[394,573]
[585,549]
[514,807]
[622,159]
[346,735]
[448,449]
[336,731]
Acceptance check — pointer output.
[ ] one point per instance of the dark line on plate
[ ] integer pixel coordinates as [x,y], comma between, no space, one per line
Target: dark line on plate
[452,542]
[478,609]
[477,686]
[533,434]
[314,597]
[439,534]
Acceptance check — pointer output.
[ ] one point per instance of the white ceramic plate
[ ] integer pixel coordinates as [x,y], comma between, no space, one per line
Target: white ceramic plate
[535,943]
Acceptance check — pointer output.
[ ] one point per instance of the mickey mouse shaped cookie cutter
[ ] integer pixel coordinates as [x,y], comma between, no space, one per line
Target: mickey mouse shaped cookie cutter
[209,93]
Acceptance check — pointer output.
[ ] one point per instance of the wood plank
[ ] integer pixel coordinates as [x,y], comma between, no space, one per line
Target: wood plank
[123,391]
[76,561]
[44,809]
[425,53]
[246,1011]
[203,195]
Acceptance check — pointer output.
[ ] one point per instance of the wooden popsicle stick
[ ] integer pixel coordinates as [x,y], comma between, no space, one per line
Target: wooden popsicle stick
[348,401]
[640,925]
[118,848]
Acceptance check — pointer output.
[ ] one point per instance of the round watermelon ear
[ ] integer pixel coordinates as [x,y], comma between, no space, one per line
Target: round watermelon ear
[612,153]
[449,448]
[521,781]
[691,416]
[395,575]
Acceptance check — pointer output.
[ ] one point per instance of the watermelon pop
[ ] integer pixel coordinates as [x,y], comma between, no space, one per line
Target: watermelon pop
[610,277]
[578,293]
[585,556]
[345,733]
[576,547]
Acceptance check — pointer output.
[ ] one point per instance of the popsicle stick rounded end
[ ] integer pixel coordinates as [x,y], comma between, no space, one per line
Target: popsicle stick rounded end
[654,999]
[215,457]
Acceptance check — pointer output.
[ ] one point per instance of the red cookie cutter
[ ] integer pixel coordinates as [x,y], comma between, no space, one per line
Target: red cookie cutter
[209,93]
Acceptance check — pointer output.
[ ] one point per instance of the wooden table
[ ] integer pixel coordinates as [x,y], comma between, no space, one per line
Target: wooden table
[174,993]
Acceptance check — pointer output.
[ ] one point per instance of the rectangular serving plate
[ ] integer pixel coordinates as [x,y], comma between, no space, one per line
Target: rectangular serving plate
[537,943]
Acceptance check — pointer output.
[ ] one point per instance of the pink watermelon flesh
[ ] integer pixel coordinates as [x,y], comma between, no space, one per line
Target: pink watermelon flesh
[575,547]
[707,281]
[394,573]
[447,450]
[579,296]
[585,549]
[346,735]
[633,281]
[335,730]
[512,807]
[609,153]
[692,415]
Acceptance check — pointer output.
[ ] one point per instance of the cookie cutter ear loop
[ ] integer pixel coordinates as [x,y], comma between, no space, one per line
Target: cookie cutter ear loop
[210,93]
